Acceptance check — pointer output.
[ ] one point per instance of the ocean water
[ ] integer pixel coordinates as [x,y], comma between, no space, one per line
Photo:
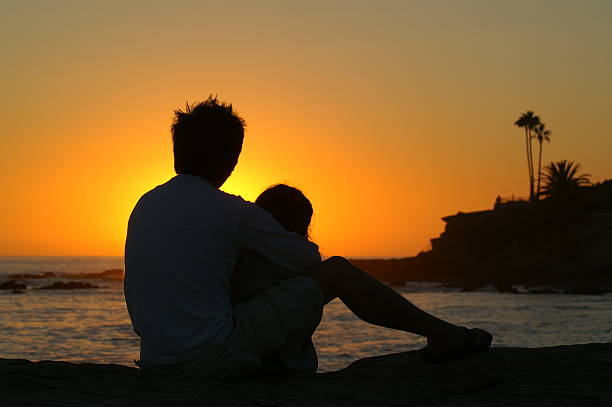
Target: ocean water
[93,325]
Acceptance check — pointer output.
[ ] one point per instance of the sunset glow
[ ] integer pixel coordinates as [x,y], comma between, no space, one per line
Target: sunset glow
[387,117]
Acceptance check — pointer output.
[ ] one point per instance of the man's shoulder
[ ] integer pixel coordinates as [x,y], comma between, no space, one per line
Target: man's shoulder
[192,186]
[189,194]
[249,211]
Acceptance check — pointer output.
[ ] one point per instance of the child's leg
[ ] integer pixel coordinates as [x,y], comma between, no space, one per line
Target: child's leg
[375,303]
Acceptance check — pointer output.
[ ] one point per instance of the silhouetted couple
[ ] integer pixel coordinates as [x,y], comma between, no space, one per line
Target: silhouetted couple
[220,287]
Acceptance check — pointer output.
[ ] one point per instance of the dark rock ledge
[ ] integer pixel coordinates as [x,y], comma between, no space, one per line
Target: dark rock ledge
[576,375]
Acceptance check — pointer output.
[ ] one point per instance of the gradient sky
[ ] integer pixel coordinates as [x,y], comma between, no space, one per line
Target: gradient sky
[388,115]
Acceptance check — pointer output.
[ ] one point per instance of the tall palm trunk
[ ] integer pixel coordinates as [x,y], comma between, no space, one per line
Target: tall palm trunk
[539,170]
[532,180]
[529,166]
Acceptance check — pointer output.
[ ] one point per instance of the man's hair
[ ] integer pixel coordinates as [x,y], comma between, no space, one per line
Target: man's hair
[207,139]
[289,206]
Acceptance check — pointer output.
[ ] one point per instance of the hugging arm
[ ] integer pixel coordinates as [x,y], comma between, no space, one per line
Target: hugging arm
[257,231]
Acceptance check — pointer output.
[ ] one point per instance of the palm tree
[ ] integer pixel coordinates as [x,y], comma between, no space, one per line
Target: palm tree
[541,134]
[528,120]
[561,178]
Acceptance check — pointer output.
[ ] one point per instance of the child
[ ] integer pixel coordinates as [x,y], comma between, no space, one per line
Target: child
[253,274]
[293,211]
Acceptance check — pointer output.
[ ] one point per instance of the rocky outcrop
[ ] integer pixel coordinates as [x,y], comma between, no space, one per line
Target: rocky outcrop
[18,287]
[111,274]
[577,375]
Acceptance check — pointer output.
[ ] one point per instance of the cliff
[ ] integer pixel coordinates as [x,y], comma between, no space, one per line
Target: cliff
[525,245]
[564,242]
[577,375]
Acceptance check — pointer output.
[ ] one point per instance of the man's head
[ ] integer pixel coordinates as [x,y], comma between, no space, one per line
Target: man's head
[207,140]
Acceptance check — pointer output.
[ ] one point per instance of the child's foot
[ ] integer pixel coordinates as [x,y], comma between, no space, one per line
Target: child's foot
[456,343]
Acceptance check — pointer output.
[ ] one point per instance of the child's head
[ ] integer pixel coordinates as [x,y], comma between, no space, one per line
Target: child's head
[288,206]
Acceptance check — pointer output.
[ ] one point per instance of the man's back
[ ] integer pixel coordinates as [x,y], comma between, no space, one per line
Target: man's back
[179,253]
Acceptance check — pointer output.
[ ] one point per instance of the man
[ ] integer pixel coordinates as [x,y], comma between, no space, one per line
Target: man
[183,240]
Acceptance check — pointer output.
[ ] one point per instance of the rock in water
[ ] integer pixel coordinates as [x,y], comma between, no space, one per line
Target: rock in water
[70,285]
[13,285]
[576,375]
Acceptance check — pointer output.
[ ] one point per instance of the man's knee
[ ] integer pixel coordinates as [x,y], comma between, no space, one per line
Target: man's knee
[336,261]
[339,267]
[332,275]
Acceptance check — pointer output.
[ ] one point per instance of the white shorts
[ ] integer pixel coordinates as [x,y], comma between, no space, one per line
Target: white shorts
[279,321]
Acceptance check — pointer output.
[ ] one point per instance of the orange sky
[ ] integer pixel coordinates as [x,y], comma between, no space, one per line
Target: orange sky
[387,117]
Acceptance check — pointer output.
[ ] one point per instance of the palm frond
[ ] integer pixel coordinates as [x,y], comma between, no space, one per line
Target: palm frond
[562,177]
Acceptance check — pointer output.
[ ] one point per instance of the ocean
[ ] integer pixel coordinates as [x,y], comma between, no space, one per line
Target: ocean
[92,325]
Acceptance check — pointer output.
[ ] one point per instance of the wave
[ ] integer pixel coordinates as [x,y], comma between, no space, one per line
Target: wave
[110,274]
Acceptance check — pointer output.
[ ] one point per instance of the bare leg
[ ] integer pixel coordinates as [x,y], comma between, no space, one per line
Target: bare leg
[377,304]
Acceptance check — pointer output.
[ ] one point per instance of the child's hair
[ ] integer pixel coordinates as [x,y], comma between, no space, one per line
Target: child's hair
[289,206]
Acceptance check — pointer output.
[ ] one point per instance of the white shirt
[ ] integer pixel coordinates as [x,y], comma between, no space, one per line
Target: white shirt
[184,238]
